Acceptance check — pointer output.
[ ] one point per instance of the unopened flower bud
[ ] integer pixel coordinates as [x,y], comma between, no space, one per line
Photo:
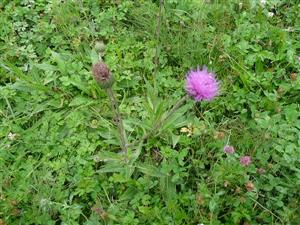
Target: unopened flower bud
[100,46]
[102,75]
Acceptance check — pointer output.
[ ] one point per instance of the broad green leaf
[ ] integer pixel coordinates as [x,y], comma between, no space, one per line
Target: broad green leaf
[150,170]
[110,156]
[112,167]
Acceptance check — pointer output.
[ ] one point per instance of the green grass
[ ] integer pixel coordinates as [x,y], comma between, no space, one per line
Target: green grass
[60,160]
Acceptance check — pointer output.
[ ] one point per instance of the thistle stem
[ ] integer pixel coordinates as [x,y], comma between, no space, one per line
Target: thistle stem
[158,30]
[160,122]
[115,106]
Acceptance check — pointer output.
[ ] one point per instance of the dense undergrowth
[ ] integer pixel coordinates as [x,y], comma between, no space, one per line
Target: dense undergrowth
[59,149]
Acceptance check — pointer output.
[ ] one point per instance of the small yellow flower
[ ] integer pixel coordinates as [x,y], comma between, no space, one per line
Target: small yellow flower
[190,129]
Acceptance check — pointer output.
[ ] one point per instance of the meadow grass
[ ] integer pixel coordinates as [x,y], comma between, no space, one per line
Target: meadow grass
[60,155]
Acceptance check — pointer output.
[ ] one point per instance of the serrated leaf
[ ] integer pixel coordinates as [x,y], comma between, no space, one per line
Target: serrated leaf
[114,167]
[110,156]
[150,170]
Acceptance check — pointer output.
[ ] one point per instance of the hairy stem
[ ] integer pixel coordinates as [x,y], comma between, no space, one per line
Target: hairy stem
[160,122]
[121,129]
[158,28]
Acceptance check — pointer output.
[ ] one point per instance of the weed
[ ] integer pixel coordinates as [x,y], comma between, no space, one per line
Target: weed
[60,159]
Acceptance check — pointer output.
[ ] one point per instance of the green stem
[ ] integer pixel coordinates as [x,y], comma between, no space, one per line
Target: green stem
[157,50]
[121,129]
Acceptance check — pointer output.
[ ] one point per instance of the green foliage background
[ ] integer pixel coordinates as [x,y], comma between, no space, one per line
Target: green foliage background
[59,150]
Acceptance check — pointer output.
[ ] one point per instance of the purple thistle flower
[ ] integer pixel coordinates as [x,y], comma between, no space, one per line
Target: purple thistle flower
[201,84]
[245,160]
[229,149]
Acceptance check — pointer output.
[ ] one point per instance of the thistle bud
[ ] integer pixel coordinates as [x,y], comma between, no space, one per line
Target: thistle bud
[102,75]
[100,46]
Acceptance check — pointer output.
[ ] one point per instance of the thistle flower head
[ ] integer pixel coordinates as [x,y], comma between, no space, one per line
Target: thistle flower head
[245,160]
[102,75]
[201,84]
[229,149]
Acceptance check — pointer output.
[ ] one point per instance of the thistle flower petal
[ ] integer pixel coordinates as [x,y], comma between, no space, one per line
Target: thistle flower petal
[245,160]
[201,84]
[229,149]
